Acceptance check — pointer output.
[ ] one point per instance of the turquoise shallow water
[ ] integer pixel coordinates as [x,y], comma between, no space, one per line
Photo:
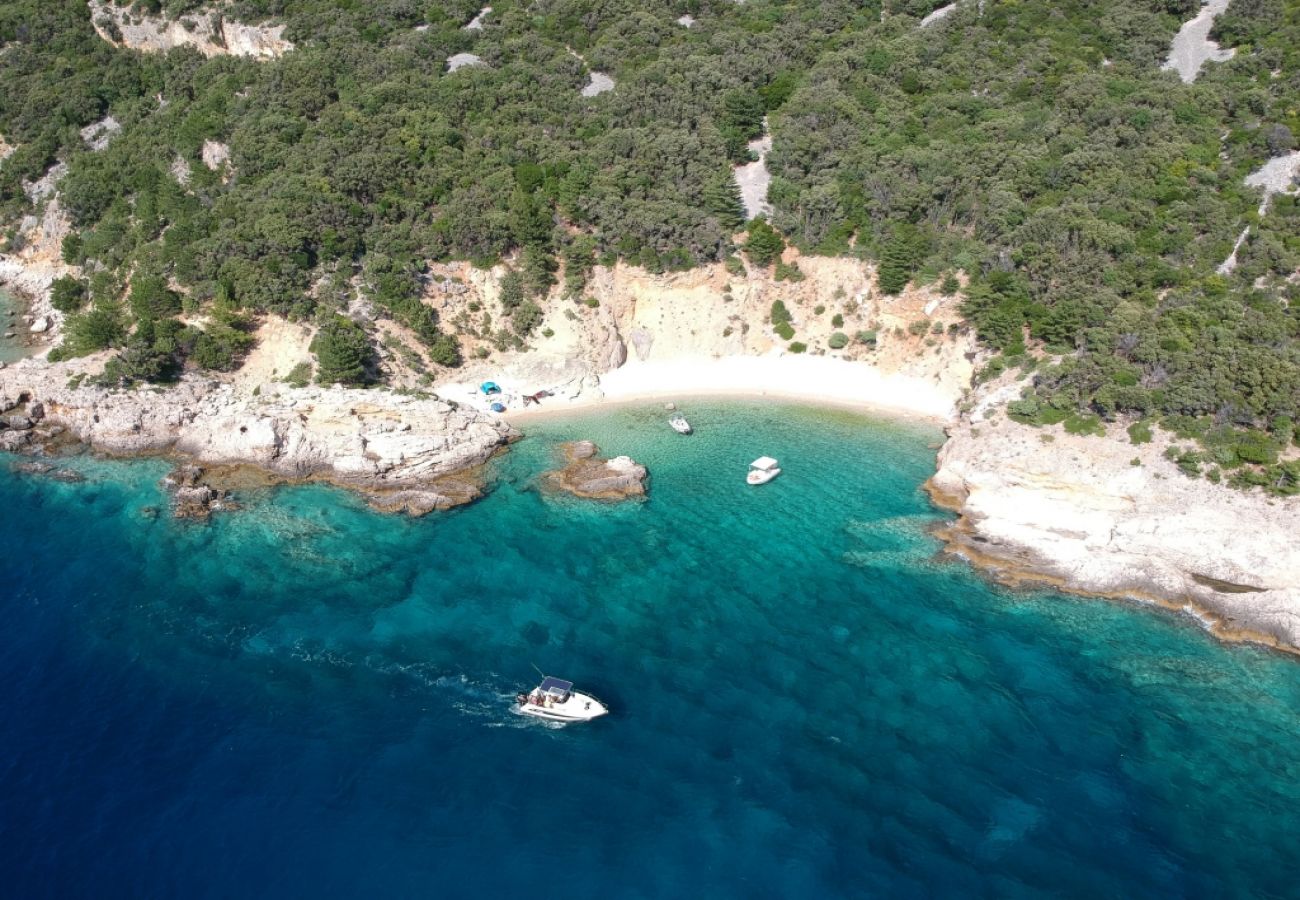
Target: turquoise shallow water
[307,698]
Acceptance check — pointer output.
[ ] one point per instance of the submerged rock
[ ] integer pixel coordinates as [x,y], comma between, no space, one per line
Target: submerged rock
[192,498]
[48,470]
[422,501]
[587,475]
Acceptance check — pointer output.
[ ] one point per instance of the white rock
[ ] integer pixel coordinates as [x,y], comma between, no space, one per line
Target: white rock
[345,435]
[938,15]
[463,60]
[1077,511]
[1192,47]
[599,84]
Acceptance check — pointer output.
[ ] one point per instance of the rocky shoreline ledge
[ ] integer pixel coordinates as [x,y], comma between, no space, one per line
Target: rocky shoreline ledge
[1103,517]
[402,452]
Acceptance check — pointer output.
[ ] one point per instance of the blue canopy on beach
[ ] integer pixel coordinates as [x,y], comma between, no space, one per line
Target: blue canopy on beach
[555,686]
[489,387]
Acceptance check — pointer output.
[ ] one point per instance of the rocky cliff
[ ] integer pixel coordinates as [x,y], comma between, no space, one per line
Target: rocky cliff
[1103,516]
[402,451]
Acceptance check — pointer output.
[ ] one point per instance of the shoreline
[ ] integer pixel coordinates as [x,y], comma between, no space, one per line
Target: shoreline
[828,382]
[578,407]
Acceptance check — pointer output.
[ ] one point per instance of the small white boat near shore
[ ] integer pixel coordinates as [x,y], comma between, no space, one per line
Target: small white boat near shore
[762,470]
[556,701]
[680,425]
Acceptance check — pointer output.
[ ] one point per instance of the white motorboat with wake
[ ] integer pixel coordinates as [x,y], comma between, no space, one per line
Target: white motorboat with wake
[680,425]
[556,701]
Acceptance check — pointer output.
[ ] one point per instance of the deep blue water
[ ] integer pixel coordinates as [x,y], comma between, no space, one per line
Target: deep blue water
[310,699]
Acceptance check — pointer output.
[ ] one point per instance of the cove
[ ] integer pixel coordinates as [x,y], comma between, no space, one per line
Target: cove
[309,698]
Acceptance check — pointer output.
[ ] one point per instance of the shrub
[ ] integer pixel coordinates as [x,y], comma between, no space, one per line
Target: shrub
[525,318]
[837,321]
[764,243]
[1283,429]
[779,313]
[221,346]
[591,302]
[1140,432]
[838,341]
[299,376]
[68,294]
[98,329]
[734,265]
[791,272]
[950,284]
[784,330]
[151,298]
[918,328]
[1256,447]
[867,337]
[1083,423]
[444,350]
[798,347]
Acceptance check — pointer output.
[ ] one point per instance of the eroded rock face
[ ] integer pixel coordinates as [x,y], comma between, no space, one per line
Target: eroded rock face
[585,474]
[206,30]
[372,441]
[1103,516]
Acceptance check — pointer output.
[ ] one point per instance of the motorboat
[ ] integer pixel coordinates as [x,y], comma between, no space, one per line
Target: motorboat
[680,425]
[762,470]
[555,700]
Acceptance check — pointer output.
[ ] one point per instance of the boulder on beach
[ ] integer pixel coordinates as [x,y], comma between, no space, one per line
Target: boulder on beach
[585,474]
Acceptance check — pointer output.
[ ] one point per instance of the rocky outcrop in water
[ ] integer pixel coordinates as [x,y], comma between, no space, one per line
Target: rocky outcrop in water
[379,443]
[585,474]
[1103,516]
[193,497]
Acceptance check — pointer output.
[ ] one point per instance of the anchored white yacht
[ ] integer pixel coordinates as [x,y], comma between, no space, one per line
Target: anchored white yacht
[680,425]
[557,701]
[762,470]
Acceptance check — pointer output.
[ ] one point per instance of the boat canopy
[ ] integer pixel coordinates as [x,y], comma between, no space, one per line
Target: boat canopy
[763,463]
[555,686]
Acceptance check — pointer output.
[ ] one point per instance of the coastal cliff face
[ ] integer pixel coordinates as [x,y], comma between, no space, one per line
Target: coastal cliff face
[909,351]
[1038,504]
[402,451]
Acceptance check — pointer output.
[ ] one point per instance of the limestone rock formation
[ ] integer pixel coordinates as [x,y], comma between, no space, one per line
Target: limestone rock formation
[206,30]
[372,441]
[1102,516]
[585,474]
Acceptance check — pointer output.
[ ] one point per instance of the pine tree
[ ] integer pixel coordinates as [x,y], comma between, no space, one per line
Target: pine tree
[899,259]
[343,352]
[722,199]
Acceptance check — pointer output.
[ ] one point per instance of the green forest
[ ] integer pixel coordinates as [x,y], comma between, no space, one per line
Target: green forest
[1034,145]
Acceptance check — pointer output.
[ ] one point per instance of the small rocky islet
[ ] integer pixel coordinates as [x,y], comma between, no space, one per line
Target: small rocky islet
[588,475]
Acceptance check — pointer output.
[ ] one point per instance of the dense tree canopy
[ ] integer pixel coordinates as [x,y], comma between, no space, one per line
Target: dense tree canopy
[1035,145]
